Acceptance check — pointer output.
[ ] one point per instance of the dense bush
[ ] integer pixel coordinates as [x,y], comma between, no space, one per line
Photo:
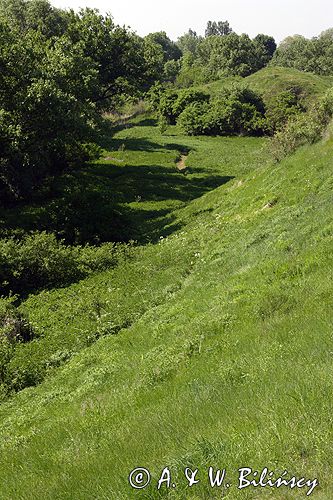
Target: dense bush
[41,261]
[172,103]
[237,110]
[305,128]
[166,105]
[282,107]
[194,120]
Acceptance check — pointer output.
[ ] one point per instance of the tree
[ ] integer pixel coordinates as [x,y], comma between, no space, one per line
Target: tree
[295,52]
[227,55]
[220,28]
[45,107]
[154,60]
[188,43]
[170,48]
[265,48]
[118,53]
[171,70]
[38,15]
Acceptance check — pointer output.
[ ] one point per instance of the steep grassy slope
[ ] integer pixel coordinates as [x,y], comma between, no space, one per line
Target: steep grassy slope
[270,81]
[223,352]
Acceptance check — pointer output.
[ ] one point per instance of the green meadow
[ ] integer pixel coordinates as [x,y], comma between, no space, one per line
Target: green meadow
[209,343]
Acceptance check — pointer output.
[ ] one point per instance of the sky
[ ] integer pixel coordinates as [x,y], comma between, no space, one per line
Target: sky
[279,18]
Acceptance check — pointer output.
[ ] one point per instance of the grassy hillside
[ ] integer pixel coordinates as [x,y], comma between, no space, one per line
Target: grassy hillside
[212,345]
[270,81]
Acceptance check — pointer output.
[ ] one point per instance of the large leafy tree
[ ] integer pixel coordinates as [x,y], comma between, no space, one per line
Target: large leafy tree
[170,49]
[25,15]
[265,48]
[45,107]
[58,70]
[314,55]
[188,43]
[230,55]
[119,54]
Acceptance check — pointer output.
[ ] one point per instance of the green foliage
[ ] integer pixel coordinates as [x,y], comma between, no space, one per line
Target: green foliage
[45,109]
[313,55]
[283,106]
[237,110]
[171,71]
[188,43]
[220,28]
[60,69]
[14,329]
[303,129]
[162,124]
[172,103]
[170,49]
[41,261]
[219,56]
[37,15]
[161,57]
[186,97]
[265,48]
[117,52]
[166,106]
[194,120]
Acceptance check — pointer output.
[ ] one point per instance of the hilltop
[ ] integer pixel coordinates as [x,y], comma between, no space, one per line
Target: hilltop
[273,80]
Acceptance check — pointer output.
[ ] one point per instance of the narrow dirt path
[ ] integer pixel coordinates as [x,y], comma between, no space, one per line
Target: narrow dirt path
[181,162]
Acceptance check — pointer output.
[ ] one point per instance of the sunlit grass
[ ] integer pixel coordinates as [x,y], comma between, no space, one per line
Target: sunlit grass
[217,336]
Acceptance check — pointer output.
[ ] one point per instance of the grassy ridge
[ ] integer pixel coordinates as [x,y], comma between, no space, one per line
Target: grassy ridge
[223,352]
[270,81]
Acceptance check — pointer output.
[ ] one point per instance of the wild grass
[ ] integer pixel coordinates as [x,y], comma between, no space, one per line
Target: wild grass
[272,80]
[211,346]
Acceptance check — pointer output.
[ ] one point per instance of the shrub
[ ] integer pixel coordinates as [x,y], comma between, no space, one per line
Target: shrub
[284,106]
[237,110]
[166,106]
[186,97]
[41,261]
[172,104]
[303,129]
[193,120]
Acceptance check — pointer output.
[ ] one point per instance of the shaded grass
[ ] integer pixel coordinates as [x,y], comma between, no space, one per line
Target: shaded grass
[129,195]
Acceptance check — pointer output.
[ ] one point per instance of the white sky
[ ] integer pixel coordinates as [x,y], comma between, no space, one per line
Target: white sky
[279,18]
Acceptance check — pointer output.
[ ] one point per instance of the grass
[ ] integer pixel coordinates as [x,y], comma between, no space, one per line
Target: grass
[271,81]
[212,345]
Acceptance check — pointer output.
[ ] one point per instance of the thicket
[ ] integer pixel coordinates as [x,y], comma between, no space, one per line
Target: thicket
[222,53]
[40,261]
[236,110]
[305,128]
